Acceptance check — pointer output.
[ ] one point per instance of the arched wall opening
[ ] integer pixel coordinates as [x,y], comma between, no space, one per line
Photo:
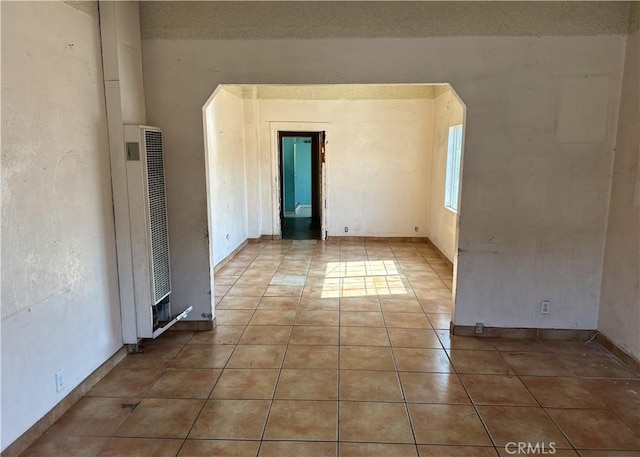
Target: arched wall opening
[386,173]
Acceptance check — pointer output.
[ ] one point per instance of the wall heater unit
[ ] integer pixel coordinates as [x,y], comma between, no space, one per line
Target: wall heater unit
[149,231]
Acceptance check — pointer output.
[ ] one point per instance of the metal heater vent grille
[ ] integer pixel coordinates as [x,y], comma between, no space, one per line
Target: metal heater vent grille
[158,215]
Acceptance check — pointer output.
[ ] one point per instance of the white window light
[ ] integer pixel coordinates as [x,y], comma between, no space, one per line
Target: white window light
[452,183]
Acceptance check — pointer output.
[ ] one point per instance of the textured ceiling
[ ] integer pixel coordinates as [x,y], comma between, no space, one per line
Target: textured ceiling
[400,19]
[634,24]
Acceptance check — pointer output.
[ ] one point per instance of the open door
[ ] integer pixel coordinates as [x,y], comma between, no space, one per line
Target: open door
[321,185]
[301,158]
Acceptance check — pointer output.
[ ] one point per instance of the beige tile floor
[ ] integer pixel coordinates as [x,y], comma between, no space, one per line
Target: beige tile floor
[343,348]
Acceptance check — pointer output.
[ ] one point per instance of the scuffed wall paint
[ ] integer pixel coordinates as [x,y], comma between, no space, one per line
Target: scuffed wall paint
[376,116]
[323,20]
[534,210]
[619,316]
[60,307]
[253,165]
[394,133]
[226,170]
[386,142]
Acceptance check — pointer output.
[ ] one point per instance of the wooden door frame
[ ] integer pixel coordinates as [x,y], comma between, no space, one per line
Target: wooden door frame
[316,173]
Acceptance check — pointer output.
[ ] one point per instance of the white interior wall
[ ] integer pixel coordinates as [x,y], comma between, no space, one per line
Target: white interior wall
[178,113]
[376,168]
[226,165]
[252,167]
[442,230]
[535,188]
[619,316]
[60,307]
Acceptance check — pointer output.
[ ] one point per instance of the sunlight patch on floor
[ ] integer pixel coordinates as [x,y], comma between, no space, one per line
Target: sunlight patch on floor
[362,278]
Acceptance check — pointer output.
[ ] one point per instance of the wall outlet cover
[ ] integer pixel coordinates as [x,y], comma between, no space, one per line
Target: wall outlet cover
[544,306]
[60,381]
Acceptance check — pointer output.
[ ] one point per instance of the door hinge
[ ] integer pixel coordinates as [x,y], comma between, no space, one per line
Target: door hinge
[323,142]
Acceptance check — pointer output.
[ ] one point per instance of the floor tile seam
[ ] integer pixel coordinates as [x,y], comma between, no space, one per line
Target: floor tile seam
[245,329]
[473,405]
[624,421]
[183,438]
[588,409]
[566,437]
[298,440]
[605,378]
[184,441]
[611,356]
[151,384]
[546,413]
[573,373]
[500,404]
[275,388]
[206,400]
[89,435]
[436,272]
[402,391]
[105,443]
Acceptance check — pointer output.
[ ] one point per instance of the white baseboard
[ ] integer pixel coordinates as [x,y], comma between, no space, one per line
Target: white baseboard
[301,207]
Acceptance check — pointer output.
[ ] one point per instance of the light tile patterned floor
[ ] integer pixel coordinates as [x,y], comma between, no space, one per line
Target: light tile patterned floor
[343,348]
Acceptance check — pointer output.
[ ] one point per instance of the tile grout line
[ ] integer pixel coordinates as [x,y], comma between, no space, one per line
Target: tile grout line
[546,413]
[237,342]
[219,376]
[406,256]
[475,408]
[577,378]
[284,355]
[397,373]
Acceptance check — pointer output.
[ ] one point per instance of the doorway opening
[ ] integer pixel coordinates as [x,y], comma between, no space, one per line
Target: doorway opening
[300,167]
[396,172]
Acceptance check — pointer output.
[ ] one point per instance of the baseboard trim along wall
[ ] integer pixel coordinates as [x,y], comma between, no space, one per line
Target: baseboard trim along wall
[524,333]
[265,238]
[551,334]
[237,250]
[38,429]
[440,253]
[616,350]
[389,239]
[228,258]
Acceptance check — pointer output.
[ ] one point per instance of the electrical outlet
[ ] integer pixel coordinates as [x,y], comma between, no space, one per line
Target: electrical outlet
[479,328]
[346,229]
[60,381]
[544,306]
[416,228]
